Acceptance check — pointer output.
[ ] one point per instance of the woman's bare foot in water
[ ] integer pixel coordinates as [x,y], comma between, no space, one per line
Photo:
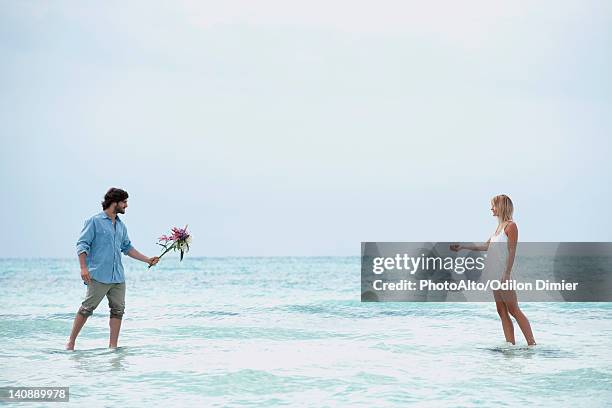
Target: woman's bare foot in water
[70,345]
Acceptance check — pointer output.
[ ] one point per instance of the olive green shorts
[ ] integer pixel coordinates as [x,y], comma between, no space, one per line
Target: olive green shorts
[115,292]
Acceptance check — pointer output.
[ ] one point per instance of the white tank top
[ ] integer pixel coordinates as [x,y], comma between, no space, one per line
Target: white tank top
[497,254]
[501,237]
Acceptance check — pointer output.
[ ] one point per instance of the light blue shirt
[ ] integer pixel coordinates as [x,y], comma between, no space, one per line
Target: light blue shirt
[103,242]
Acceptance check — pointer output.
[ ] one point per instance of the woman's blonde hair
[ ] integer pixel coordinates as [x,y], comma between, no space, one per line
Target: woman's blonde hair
[504,207]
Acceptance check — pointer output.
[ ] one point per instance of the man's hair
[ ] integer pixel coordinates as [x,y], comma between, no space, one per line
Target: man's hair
[113,195]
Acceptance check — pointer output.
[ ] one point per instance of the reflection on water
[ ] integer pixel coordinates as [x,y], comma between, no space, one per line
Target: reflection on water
[98,360]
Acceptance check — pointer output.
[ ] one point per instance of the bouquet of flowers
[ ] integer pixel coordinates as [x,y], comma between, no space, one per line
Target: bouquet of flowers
[179,240]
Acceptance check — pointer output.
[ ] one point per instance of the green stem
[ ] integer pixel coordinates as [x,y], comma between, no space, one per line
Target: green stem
[164,253]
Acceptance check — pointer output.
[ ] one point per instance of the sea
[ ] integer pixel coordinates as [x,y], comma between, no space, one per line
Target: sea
[289,331]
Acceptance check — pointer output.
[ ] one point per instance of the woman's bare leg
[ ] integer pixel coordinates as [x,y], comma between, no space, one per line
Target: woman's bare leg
[519,316]
[507,325]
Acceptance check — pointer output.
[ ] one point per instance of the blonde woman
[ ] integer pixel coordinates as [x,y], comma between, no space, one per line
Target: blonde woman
[503,245]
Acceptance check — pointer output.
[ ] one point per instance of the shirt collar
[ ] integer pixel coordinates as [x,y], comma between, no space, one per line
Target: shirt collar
[105,215]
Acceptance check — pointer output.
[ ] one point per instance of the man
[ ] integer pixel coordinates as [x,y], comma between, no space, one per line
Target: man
[103,238]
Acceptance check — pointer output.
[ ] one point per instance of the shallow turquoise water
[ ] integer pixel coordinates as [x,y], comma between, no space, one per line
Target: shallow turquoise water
[278,331]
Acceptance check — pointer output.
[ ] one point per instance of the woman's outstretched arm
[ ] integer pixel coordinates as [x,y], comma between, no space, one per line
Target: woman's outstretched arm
[483,247]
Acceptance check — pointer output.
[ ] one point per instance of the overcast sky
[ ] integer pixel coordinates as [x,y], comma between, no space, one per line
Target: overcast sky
[304,128]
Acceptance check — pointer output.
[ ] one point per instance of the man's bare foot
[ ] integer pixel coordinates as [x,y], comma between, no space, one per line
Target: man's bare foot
[70,345]
[112,346]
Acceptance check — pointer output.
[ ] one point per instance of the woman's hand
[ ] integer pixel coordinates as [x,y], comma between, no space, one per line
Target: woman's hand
[455,247]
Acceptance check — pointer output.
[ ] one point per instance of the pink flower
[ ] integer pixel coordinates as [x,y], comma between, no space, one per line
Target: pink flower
[180,239]
[178,234]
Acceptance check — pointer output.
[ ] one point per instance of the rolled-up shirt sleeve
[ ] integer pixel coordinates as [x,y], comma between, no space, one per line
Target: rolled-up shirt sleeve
[86,238]
[126,245]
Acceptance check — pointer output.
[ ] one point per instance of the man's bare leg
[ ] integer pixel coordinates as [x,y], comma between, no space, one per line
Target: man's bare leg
[115,327]
[79,321]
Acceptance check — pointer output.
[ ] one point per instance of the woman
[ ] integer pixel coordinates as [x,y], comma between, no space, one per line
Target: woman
[502,249]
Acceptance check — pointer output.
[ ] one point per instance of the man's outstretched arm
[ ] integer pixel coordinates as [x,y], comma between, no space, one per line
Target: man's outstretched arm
[129,250]
[133,253]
